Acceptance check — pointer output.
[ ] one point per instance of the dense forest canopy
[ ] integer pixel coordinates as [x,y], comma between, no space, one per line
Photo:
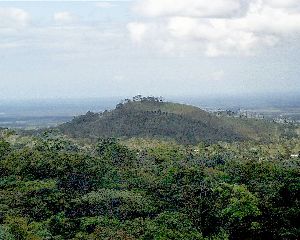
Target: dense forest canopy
[150,187]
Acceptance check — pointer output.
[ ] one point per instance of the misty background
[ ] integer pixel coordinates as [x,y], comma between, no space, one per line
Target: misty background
[62,58]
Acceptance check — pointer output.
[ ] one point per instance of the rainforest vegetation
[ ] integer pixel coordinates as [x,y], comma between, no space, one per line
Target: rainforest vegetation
[59,184]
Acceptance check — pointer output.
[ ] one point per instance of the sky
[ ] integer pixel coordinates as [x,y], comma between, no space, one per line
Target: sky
[91,49]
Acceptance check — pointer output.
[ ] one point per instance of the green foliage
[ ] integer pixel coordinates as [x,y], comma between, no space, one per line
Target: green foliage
[238,208]
[5,234]
[4,148]
[122,204]
[145,189]
[147,117]
[110,150]
[241,203]
[169,225]
[62,226]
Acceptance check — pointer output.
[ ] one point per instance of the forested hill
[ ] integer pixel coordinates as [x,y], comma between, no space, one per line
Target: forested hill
[151,117]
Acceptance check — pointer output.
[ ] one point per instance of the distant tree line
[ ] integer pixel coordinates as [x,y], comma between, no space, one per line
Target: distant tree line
[140,98]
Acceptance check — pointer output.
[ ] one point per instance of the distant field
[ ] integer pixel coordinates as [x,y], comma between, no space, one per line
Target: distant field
[290,113]
[32,122]
[270,105]
[32,114]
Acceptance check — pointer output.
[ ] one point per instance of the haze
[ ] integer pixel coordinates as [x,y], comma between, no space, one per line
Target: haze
[151,47]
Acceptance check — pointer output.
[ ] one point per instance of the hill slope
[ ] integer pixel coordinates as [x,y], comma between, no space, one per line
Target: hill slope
[186,124]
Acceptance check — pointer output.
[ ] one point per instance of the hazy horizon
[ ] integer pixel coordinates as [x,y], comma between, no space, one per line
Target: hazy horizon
[40,113]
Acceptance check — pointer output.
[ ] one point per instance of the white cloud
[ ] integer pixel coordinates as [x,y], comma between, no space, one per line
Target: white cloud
[217,27]
[191,8]
[64,17]
[62,42]
[218,75]
[65,38]
[283,3]
[137,30]
[105,4]
[13,18]
[9,45]
[70,41]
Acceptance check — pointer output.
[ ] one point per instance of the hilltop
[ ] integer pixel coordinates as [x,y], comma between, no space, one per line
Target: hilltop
[151,117]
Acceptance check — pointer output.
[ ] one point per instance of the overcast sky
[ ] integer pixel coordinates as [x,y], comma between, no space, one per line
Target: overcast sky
[82,49]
